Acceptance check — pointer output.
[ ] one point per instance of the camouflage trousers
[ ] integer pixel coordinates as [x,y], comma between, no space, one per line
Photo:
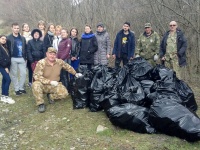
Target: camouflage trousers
[56,92]
[171,61]
[152,62]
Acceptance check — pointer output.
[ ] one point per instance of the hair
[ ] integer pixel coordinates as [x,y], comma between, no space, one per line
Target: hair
[87,25]
[41,22]
[58,27]
[4,45]
[50,24]
[23,27]
[73,28]
[15,24]
[2,35]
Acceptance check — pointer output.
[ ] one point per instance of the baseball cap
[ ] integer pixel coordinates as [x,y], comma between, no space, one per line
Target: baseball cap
[52,50]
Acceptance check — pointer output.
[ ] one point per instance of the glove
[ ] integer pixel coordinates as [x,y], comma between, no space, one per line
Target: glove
[78,75]
[54,83]
[155,58]
[137,56]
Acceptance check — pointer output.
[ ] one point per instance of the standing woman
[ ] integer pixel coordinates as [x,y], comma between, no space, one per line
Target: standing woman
[88,47]
[48,38]
[35,50]
[75,48]
[57,37]
[27,34]
[5,62]
[102,55]
[42,27]
[64,49]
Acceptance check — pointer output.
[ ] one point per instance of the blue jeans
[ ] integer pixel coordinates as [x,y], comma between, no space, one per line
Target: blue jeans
[5,82]
[75,65]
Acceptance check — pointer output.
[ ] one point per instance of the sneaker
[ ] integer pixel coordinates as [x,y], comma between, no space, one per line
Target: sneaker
[29,84]
[17,93]
[7,99]
[22,91]
[49,99]
[41,108]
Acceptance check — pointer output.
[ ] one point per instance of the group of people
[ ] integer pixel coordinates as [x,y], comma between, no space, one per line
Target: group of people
[50,54]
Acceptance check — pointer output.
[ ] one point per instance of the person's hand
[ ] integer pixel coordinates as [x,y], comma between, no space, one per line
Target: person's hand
[163,58]
[137,56]
[78,75]
[155,58]
[114,56]
[54,83]
[7,70]
[108,56]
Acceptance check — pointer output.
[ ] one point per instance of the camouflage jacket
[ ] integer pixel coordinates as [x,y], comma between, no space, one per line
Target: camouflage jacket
[45,73]
[148,46]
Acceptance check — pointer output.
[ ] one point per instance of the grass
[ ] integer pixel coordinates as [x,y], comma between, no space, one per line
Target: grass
[62,128]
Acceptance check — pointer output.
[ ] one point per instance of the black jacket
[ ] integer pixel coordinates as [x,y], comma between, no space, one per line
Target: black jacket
[181,47]
[35,50]
[75,47]
[4,58]
[48,41]
[10,45]
[88,47]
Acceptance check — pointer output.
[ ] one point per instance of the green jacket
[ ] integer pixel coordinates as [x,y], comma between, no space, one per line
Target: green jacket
[148,46]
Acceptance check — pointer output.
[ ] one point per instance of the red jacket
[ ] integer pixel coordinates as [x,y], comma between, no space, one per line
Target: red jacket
[64,49]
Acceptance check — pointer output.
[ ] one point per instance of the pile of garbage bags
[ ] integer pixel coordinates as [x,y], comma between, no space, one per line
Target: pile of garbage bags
[140,98]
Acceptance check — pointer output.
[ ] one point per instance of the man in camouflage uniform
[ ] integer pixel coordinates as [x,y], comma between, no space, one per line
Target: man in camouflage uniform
[148,45]
[47,77]
[173,49]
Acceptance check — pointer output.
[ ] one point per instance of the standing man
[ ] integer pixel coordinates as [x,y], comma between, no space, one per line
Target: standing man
[148,45]
[47,77]
[17,46]
[124,45]
[173,48]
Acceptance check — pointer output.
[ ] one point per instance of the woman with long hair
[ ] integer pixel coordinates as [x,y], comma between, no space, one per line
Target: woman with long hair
[5,62]
[42,26]
[49,36]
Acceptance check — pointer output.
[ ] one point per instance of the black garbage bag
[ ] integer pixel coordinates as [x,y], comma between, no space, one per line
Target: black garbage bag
[160,72]
[186,94]
[174,119]
[146,85]
[97,82]
[134,95]
[140,68]
[80,92]
[122,74]
[128,82]
[94,105]
[132,117]
[64,78]
[110,99]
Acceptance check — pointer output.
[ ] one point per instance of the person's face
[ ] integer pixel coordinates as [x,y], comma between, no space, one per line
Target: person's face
[52,29]
[99,28]
[26,28]
[15,29]
[126,27]
[148,30]
[173,26]
[58,31]
[3,40]
[64,34]
[36,35]
[87,29]
[41,26]
[73,32]
[51,57]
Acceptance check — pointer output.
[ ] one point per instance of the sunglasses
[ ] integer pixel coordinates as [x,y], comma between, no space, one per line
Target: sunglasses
[172,25]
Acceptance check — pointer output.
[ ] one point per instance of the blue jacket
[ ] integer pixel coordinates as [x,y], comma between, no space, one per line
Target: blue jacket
[181,47]
[118,44]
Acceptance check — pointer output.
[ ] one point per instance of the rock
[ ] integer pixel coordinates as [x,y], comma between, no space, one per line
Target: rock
[1,135]
[101,128]
[64,118]
[72,148]
[21,132]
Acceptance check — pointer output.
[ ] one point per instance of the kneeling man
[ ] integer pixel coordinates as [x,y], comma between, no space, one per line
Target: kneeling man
[47,77]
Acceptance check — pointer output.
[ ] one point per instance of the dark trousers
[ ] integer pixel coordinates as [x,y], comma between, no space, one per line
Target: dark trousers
[123,58]
[75,65]
[5,82]
[30,72]
[89,66]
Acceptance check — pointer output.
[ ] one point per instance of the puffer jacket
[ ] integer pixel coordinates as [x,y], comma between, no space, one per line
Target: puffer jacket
[104,47]
[35,50]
